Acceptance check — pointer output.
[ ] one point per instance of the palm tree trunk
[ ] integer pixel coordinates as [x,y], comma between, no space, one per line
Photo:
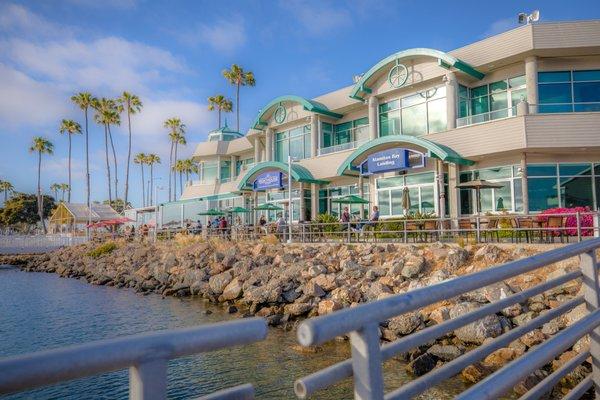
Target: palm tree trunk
[180,183]
[63,195]
[39,190]
[219,114]
[237,101]
[112,145]
[170,168]
[5,196]
[175,174]
[69,196]
[87,166]
[107,164]
[143,186]
[151,184]
[128,155]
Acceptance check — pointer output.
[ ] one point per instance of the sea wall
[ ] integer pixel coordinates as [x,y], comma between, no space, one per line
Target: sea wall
[286,284]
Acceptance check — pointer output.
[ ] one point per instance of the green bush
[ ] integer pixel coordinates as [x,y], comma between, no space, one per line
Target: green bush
[104,248]
[328,219]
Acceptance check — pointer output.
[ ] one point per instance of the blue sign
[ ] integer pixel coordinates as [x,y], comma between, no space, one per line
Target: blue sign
[268,180]
[392,160]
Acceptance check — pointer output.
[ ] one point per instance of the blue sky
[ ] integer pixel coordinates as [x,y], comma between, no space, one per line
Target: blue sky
[172,53]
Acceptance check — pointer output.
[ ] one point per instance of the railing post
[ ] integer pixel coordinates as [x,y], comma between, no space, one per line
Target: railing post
[405,232]
[148,381]
[366,363]
[349,231]
[591,284]
[578,216]
[477,227]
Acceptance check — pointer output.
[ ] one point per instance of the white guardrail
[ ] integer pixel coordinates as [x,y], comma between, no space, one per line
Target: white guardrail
[145,355]
[37,243]
[362,325]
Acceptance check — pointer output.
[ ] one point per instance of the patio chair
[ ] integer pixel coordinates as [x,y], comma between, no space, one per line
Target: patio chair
[491,230]
[555,227]
[431,230]
[519,229]
[464,228]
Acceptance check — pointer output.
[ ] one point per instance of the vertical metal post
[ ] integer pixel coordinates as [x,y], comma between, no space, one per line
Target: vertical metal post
[148,381]
[578,216]
[591,284]
[348,229]
[367,363]
[405,232]
[477,226]
[290,211]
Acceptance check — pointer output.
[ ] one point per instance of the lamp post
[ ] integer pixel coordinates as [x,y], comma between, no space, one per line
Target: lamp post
[156,189]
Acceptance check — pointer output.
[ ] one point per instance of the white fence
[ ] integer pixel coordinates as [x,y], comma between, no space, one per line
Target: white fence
[20,244]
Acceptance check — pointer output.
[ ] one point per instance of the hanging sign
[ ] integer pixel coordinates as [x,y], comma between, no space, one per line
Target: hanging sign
[268,180]
[392,160]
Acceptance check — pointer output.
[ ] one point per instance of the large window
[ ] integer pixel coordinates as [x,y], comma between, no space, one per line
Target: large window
[327,195]
[343,136]
[562,185]
[295,142]
[280,198]
[243,165]
[208,171]
[507,198]
[225,171]
[414,115]
[491,101]
[421,191]
[569,91]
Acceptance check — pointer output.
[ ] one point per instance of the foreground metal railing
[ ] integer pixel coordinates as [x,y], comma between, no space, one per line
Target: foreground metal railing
[362,325]
[145,355]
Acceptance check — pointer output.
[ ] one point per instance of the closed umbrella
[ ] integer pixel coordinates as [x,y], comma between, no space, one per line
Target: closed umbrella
[406,199]
[479,184]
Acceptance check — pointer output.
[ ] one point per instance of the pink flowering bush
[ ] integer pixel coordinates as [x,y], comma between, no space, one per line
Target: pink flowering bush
[587,220]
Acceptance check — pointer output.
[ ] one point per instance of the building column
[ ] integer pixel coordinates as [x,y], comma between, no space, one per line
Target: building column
[439,176]
[451,100]
[373,117]
[232,167]
[453,199]
[254,212]
[269,145]
[302,216]
[524,184]
[531,80]
[361,193]
[314,201]
[314,135]
[257,148]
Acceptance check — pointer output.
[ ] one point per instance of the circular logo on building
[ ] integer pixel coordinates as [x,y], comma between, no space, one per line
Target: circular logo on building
[398,75]
[280,114]
[429,93]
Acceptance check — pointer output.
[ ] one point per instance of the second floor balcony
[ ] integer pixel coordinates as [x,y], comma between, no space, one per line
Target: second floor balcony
[345,140]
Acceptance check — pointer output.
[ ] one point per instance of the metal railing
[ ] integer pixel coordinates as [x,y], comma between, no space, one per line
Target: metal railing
[551,108]
[360,134]
[486,117]
[145,355]
[362,325]
[37,243]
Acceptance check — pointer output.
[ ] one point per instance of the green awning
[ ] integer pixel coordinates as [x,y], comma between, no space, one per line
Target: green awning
[299,173]
[268,207]
[237,210]
[350,199]
[211,211]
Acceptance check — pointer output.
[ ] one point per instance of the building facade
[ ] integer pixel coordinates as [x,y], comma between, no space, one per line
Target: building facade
[521,109]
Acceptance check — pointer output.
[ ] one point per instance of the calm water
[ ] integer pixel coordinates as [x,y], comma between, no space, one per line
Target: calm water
[42,311]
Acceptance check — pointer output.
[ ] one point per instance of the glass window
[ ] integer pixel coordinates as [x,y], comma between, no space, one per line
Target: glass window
[414,179]
[427,199]
[389,123]
[555,93]
[383,201]
[560,76]
[499,86]
[479,91]
[412,100]
[390,182]
[593,75]
[516,96]
[576,192]
[494,173]
[414,120]
[574,169]
[209,172]
[542,193]
[479,105]
[436,115]
[503,197]
[327,131]
[586,92]
[225,169]
[541,170]
[396,197]
[390,105]
[295,142]
[579,95]
[517,81]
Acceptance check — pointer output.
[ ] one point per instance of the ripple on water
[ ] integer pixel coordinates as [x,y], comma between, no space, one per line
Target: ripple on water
[42,311]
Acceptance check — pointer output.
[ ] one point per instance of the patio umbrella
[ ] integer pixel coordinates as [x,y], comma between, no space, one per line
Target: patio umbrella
[350,199]
[406,199]
[212,211]
[479,184]
[237,210]
[268,207]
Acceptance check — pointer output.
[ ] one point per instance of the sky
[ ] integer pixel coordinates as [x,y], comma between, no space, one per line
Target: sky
[171,54]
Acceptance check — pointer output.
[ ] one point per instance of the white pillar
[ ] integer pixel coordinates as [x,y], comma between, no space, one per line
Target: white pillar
[451,100]
[453,180]
[524,184]
[373,117]
[531,80]
[361,193]
[314,135]
[257,148]
[439,169]
[314,201]
[269,145]
[233,167]
[302,216]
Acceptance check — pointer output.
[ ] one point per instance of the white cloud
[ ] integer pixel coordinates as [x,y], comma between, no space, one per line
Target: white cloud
[17,19]
[225,35]
[318,18]
[501,25]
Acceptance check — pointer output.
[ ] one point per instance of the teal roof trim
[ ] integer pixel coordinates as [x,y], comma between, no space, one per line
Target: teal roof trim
[444,59]
[308,105]
[436,150]
[299,173]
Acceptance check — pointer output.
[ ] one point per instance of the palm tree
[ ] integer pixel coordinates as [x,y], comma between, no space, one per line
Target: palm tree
[55,187]
[69,127]
[152,159]
[41,146]
[179,167]
[221,104]
[113,117]
[238,77]
[189,167]
[141,159]
[6,187]
[176,135]
[84,101]
[132,104]
[107,114]
[65,187]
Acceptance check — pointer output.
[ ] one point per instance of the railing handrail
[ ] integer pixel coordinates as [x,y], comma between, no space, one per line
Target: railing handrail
[464,121]
[323,328]
[52,366]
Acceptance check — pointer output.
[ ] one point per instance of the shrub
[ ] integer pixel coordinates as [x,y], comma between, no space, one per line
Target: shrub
[332,220]
[587,220]
[104,248]
[270,239]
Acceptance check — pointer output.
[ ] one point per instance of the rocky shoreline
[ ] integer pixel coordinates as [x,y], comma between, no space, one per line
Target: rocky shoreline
[291,283]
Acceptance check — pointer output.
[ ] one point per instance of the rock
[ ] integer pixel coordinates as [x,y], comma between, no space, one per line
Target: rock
[312,289]
[489,252]
[439,315]
[297,309]
[328,306]
[445,352]
[478,331]
[316,270]
[456,258]
[233,290]
[169,261]
[413,266]
[375,290]
[395,269]
[475,372]
[576,314]
[421,365]
[551,328]
[532,338]
[405,323]
[528,383]
[326,281]
[218,282]
[346,295]
[523,319]
[500,358]
[232,309]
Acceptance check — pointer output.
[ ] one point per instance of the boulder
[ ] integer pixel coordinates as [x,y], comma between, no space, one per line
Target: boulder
[489,252]
[218,282]
[456,258]
[405,323]
[413,266]
[532,338]
[328,306]
[312,289]
[421,365]
[233,290]
[445,352]
[326,281]
[478,331]
[475,372]
[500,357]
[297,309]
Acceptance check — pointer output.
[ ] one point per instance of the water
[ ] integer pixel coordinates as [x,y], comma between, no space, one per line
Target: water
[43,311]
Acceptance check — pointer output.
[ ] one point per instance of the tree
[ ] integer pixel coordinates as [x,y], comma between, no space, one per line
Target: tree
[106,114]
[152,159]
[176,135]
[238,77]
[64,187]
[221,104]
[178,169]
[55,187]
[119,205]
[6,187]
[22,208]
[41,146]
[189,167]
[141,159]
[84,101]
[69,127]
[132,105]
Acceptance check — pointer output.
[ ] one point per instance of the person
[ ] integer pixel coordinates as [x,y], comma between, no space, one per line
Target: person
[262,221]
[223,226]
[281,226]
[372,219]
[198,230]
[345,219]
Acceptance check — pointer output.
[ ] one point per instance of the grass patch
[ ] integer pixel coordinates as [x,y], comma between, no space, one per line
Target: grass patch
[103,249]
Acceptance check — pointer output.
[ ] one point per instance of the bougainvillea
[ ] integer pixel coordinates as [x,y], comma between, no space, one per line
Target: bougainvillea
[586,218]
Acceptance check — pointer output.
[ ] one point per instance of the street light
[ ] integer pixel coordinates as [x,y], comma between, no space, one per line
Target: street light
[156,189]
